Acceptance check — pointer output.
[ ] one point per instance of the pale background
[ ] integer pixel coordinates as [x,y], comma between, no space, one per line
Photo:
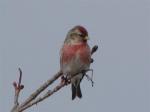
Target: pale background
[32,32]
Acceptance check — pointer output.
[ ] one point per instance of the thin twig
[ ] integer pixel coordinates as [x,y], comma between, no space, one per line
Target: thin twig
[40,89]
[90,78]
[94,49]
[40,99]
[20,77]
[18,87]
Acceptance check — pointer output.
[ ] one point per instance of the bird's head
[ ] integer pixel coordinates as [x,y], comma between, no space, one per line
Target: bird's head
[77,34]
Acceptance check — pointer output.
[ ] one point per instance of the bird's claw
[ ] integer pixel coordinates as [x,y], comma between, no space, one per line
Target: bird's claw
[65,80]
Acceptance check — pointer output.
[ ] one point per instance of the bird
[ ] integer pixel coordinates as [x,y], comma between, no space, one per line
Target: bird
[75,56]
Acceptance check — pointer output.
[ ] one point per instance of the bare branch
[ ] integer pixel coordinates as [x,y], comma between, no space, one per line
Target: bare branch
[49,93]
[18,87]
[94,49]
[32,99]
[20,77]
[40,89]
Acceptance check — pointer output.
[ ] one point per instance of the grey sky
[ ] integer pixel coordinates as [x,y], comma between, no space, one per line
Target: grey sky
[32,32]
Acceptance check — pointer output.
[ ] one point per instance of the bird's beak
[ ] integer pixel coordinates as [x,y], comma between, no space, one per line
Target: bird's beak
[86,38]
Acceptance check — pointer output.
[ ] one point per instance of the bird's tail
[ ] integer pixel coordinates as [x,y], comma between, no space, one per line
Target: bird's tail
[76,91]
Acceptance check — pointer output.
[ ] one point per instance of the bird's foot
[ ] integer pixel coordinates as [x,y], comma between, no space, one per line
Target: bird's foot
[65,80]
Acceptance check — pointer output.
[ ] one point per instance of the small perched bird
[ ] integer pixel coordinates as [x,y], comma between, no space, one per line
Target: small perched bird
[75,57]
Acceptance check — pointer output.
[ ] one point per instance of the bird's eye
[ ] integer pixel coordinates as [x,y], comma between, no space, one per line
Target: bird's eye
[73,34]
[77,34]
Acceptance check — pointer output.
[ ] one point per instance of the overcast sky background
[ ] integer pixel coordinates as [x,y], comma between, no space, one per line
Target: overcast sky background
[32,32]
